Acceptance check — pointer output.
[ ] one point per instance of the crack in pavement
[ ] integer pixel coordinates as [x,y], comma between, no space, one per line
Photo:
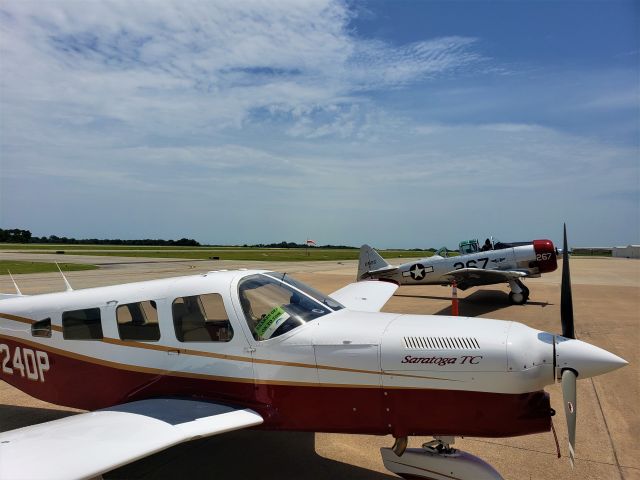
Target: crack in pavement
[606,426]
[551,453]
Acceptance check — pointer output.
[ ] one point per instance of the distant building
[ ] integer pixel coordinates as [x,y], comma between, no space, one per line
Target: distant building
[630,251]
[591,251]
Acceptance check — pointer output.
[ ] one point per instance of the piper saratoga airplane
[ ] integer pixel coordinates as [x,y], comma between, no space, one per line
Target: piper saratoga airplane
[162,362]
[498,263]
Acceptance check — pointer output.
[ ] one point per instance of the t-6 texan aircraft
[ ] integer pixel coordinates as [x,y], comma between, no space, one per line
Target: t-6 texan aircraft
[166,361]
[493,263]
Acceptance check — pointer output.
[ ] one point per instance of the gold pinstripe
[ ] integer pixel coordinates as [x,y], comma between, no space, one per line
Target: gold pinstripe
[237,358]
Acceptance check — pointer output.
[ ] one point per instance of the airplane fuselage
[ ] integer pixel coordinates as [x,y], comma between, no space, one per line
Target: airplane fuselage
[345,371]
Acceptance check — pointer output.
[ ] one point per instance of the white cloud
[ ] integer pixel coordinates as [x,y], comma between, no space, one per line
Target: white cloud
[115,81]
[210,63]
[628,99]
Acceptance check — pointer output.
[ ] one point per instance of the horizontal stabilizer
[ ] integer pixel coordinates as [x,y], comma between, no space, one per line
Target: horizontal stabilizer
[367,296]
[89,444]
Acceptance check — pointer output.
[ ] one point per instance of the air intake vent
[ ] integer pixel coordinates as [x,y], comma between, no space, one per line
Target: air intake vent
[441,343]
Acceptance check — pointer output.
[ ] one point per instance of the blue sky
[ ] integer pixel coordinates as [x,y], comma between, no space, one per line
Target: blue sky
[399,124]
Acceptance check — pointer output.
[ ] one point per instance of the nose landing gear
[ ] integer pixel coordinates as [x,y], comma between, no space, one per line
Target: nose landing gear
[400,445]
[437,460]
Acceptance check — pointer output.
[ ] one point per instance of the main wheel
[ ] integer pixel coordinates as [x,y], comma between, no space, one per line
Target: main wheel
[517,298]
[525,290]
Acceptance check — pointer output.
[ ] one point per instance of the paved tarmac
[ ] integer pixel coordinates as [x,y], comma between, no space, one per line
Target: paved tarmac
[606,295]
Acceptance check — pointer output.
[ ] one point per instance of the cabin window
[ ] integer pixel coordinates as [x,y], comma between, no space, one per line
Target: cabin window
[201,318]
[41,328]
[138,321]
[82,324]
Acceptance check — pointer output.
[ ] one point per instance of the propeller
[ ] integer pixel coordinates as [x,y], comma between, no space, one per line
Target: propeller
[570,409]
[566,300]
[575,358]
[569,377]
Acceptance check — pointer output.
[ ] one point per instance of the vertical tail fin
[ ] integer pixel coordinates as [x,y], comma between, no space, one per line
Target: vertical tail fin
[369,260]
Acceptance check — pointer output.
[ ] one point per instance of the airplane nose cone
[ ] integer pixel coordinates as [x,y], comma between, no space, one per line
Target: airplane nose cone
[587,360]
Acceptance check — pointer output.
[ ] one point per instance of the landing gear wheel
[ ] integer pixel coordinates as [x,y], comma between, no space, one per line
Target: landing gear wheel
[525,290]
[517,298]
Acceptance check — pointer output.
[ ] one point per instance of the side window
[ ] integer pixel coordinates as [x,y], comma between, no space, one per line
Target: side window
[138,321]
[201,318]
[82,324]
[41,328]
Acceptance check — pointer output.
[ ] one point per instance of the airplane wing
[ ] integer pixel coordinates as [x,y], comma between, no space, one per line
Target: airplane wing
[89,444]
[365,296]
[473,277]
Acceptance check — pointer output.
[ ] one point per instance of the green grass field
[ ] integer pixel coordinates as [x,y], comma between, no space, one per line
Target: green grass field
[69,246]
[204,253]
[17,268]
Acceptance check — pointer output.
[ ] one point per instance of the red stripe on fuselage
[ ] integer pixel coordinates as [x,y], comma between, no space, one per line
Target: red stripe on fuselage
[72,382]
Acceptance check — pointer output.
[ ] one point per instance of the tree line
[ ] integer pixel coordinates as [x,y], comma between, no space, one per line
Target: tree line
[296,245]
[17,235]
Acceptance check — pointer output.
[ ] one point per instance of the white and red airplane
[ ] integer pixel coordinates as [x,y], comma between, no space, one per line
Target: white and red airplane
[493,263]
[162,362]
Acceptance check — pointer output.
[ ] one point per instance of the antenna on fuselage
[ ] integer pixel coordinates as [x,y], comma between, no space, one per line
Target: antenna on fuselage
[15,284]
[66,282]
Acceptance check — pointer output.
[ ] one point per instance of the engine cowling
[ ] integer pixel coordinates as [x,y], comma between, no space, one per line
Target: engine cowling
[545,255]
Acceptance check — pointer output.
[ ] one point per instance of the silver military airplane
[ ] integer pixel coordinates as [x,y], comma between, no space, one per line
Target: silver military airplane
[493,263]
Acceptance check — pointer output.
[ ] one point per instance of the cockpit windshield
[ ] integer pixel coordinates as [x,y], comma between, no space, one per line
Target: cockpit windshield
[312,292]
[274,303]
[468,246]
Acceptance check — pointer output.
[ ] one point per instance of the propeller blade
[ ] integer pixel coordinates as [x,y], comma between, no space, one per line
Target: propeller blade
[566,301]
[570,409]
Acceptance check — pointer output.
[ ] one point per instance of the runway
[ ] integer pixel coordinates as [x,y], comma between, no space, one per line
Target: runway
[606,297]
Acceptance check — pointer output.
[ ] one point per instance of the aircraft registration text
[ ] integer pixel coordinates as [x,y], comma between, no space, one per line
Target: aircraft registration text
[25,362]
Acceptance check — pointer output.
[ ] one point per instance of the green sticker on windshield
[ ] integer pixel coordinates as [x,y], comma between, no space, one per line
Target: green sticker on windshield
[267,320]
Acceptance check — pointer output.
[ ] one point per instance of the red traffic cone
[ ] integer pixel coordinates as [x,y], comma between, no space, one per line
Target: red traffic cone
[454,298]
